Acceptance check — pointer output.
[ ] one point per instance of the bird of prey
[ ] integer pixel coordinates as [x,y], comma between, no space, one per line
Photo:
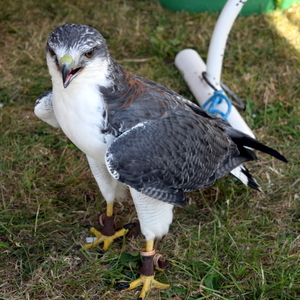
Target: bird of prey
[137,134]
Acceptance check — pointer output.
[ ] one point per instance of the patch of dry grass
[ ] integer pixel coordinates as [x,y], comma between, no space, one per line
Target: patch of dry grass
[229,242]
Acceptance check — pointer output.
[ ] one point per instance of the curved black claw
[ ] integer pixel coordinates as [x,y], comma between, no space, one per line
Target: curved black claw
[101,253]
[123,287]
[88,226]
[127,226]
[134,231]
[77,248]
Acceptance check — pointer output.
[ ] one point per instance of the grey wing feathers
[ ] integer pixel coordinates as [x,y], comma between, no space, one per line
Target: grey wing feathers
[166,157]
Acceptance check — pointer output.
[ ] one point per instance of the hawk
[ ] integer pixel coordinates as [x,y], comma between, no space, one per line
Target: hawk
[137,134]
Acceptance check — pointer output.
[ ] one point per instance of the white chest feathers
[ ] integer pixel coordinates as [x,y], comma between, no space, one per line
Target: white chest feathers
[80,111]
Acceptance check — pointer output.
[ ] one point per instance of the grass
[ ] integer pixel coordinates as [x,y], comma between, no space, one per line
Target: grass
[229,242]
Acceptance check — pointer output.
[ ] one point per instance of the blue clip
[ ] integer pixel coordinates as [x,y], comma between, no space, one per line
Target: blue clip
[216,99]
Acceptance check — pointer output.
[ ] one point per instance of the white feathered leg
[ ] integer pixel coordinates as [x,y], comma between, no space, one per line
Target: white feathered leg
[110,189]
[155,218]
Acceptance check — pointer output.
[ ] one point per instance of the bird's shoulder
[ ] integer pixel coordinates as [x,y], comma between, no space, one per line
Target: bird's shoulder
[131,99]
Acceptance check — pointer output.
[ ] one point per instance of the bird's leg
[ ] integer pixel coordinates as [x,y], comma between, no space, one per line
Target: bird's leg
[146,278]
[108,233]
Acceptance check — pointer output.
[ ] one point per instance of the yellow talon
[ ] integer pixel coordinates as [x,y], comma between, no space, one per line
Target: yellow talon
[106,240]
[109,239]
[148,283]
[95,232]
[108,234]
[146,278]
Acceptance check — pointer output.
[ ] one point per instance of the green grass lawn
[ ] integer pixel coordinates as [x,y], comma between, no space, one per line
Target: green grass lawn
[229,242]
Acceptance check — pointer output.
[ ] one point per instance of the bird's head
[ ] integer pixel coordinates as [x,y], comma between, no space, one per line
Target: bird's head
[72,48]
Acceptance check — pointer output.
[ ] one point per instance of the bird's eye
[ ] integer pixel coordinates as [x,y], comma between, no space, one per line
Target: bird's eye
[90,53]
[52,53]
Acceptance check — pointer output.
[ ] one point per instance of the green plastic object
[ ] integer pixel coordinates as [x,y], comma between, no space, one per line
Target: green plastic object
[285,4]
[250,7]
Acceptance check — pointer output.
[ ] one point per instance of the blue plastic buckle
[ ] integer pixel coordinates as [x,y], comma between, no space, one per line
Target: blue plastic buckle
[214,100]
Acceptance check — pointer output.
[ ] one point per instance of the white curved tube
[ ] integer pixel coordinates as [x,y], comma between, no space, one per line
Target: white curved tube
[219,39]
[192,66]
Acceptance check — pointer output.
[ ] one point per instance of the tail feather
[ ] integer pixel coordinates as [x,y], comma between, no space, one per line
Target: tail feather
[244,140]
[243,174]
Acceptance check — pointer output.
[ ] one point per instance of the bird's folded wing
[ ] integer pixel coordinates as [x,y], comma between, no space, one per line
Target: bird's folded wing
[44,109]
[165,157]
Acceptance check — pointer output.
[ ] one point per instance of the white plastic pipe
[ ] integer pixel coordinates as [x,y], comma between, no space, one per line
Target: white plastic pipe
[219,38]
[192,66]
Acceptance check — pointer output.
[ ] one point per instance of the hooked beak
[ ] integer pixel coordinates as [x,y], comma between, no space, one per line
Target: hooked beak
[67,71]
